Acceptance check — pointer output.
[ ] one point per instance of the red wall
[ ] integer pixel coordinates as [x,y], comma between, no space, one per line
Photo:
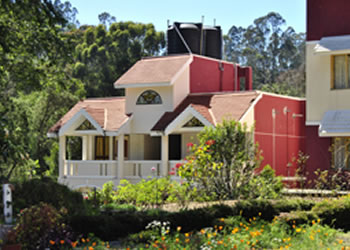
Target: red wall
[318,150]
[327,18]
[210,75]
[282,137]
[290,136]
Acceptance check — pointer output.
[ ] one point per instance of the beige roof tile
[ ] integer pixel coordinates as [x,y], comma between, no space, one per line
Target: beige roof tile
[153,70]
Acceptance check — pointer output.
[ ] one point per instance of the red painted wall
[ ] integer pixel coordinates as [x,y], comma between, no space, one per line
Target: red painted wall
[318,150]
[210,75]
[282,137]
[327,18]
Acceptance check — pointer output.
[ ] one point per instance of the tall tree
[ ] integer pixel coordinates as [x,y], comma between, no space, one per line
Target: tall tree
[104,55]
[270,50]
[33,59]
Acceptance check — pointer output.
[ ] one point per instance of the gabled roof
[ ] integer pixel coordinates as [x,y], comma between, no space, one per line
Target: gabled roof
[154,71]
[213,107]
[109,113]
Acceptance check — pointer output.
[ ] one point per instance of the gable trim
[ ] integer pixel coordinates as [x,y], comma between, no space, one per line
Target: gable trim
[184,117]
[81,114]
[252,106]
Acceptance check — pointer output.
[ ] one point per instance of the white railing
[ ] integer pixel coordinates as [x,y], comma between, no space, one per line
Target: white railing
[90,168]
[142,169]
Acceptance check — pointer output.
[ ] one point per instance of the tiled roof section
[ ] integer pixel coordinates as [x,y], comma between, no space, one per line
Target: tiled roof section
[109,113]
[153,70]
[213,107]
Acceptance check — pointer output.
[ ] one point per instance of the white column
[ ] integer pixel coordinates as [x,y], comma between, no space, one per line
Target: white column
[165,155]
[90,147]
[120,156]
[111,148]
[85,148]
[62,155]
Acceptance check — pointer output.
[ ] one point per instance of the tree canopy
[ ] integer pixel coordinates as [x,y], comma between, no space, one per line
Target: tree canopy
[276,55]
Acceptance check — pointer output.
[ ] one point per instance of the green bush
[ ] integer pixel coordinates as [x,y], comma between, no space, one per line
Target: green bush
[334,212]
[47,190]
[42,226]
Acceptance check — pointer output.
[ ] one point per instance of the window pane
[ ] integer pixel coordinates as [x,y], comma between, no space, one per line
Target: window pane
[149,97]
[339,72]
[339,153]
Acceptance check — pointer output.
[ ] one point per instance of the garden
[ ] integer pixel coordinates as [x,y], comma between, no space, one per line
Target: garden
[221,202]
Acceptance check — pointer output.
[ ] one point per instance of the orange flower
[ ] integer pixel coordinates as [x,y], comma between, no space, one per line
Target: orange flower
[52,242]
[83,240]
[220,227]
[87,240]
[94,244]
[91,248]
[62,242]
[163,238]
[177,240]
[187,240]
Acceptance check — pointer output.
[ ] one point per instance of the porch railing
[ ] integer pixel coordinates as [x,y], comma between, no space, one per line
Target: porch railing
[90,168]
[142,168]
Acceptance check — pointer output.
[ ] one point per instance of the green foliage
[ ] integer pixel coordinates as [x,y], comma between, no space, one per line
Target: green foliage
[144,194]
[334,212]
[32,192]
[40,224]
[276,54]
[332,179]
[111,225]
[266,185]
[102,55]
[223,165]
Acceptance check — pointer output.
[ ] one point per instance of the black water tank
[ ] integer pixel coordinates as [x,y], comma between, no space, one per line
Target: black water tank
[190,32]
[212,41]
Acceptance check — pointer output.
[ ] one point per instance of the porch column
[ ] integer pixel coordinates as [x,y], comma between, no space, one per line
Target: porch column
[90,147]
[62,155]
[165,155]
[85,148]
[121,156]
[110,148]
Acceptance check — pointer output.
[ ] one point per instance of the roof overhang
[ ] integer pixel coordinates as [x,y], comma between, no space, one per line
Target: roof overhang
[333,45]
[335,123]
[183,118]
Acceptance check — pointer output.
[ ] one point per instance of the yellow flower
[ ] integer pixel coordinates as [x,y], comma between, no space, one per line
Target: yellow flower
[340,241]
[313,222]
[178,228]
[222,219]
[177,240]
[187,240]
[259,213]
[298,230]
[311,237]
[187,234]
[220,242]
[202,231]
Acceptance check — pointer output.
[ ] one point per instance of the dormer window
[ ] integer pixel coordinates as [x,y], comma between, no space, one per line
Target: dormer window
[340,72]
[149,97]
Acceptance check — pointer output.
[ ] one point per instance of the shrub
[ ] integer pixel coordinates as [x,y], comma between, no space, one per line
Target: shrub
[47,190]
[334,212]
[332,179]
[224,164]
[265,185]
[42,226]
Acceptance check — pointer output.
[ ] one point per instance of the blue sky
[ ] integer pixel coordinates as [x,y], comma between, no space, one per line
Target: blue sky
[226,12]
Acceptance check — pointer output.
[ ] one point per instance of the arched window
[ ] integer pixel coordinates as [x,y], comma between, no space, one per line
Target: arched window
[149,97]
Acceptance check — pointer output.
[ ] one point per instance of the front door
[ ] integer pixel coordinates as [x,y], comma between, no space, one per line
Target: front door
[175,147]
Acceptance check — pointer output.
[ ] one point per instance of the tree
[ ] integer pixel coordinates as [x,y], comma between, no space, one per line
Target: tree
[102,55]
[224,162]
[273,53]
[106,19]
[33,59]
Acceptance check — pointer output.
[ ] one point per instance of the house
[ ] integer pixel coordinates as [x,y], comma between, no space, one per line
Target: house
[328,84]
[168,100]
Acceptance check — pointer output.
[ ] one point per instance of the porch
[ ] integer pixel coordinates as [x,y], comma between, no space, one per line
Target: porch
[112,158]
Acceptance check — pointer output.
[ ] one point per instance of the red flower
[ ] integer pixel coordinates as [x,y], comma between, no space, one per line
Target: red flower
[189,145]
[210,142]
[172,173]
[178,165]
